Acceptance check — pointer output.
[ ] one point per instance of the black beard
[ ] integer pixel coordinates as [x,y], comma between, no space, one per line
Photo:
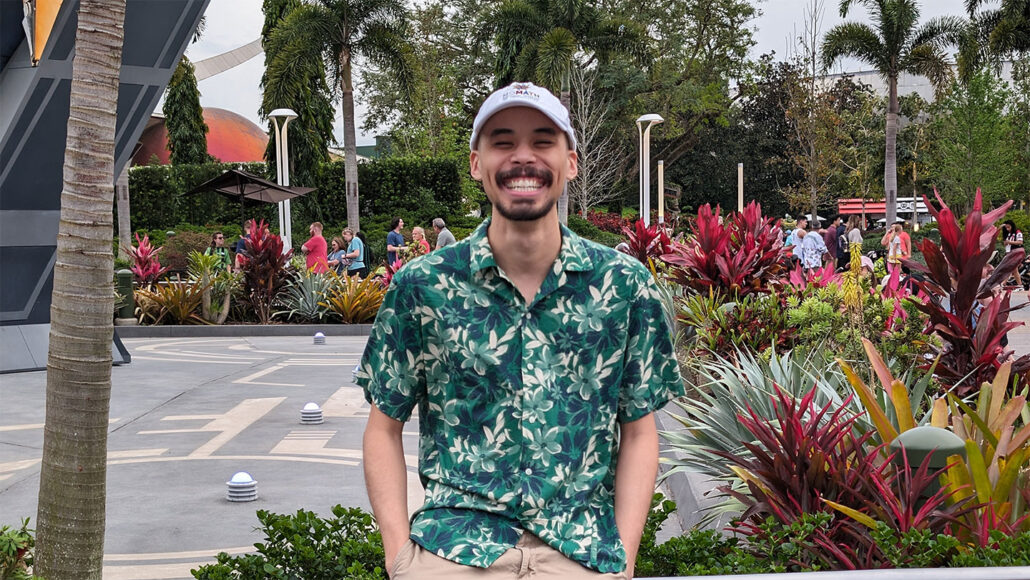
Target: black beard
[524,212]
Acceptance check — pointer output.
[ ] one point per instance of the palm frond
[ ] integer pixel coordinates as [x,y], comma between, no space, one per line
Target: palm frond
[620,37]
[941,32]
[554,57]
[924,60]
[856,40]
[385,45]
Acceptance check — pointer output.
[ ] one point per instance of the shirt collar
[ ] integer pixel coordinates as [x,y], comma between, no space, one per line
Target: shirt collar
[571,258]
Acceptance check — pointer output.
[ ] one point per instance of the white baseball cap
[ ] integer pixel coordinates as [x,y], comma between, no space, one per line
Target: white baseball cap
[524,95]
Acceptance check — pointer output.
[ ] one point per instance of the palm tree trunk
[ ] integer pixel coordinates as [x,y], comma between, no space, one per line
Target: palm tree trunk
[73,477]
[890,171]
[121,191]
[350,145]
[563,201]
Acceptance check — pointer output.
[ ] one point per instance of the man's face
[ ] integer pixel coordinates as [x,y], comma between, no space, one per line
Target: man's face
[523,160]
[400,224]
[802,223]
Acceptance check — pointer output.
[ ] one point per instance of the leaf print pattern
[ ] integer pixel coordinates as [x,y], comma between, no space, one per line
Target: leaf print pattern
[518,403]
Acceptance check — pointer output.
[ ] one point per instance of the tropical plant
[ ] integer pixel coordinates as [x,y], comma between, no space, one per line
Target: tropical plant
[146,268]
[178,301]
[896,43]
[995,471]
[16,552]
[754,323]
[336,32]
[353,299]
[72,502]
[217,283]
[1006,27]
[305,295]
[264,267]
[647,243]
[306,93]
[743,255]
[955,276]
[808,459]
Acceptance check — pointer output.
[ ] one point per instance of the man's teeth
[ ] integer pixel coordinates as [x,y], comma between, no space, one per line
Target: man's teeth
[524,184]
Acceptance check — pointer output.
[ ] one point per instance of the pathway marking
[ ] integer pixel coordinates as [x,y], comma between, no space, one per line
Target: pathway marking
[228,425]
[250,379]
[345,402]
[29,426]
[210,553]
[312,443]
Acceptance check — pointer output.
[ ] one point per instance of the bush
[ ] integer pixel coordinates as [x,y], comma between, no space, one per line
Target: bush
[16,546]
[354,300]
[303,545]
[176,250]
[588,230]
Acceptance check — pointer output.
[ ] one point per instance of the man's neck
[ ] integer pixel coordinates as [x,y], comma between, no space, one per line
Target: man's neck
[525,250]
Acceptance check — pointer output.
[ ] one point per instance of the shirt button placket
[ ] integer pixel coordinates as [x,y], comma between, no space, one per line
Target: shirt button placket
[528,368]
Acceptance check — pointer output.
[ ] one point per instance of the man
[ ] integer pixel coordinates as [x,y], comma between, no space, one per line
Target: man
[794,239]
[537,360]
[316,250]
[444,237]
[395,241]
[830,237]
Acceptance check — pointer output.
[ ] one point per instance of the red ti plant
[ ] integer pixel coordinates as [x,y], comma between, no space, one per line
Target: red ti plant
[954,283]
[817,278]
[741,256]
[264,269]
[808,460]
[647,243]
[146,268]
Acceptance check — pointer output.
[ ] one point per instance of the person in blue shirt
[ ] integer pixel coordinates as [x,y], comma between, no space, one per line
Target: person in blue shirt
[355,253]
[395,241]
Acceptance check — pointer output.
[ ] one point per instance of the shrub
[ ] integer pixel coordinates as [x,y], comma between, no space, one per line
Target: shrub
[744,255]
[146,267]
[588,230]
[303,545]
[954,276]
[217,283]
[176,301]
[353,299]
[264,269]
[304,296]
[754,323]
[612,223]
[16,546]
[177,249]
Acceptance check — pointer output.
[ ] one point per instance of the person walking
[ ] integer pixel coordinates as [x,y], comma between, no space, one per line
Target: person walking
[355,253]
[536,360]
[1013,241]
[315,250]
[444,237]
[395,241]
[218,248]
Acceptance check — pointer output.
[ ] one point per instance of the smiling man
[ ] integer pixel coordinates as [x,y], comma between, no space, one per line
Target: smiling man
[536,360]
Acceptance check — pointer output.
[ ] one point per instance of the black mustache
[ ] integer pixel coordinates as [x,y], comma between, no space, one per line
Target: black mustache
[544,175]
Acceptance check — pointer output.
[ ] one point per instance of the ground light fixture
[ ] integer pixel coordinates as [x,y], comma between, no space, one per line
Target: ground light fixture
[644,124]
[282,169]
[242,487]
[311,414]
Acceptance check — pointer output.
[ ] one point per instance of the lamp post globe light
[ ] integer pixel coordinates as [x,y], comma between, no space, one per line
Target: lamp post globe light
[645,163]
[282,170]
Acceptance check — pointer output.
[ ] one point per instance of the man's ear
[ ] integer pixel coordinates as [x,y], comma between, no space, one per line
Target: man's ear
[573,164]
[474,166]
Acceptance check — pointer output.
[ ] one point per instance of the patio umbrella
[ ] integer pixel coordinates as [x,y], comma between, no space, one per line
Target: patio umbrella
[247,187]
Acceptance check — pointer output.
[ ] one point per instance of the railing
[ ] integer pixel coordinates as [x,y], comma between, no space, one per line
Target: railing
[1011,573]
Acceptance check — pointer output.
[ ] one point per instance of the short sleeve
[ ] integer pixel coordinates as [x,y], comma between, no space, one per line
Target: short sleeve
[651,376]
[391,371]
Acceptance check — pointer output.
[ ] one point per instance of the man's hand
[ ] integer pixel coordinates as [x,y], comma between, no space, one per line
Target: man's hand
[386,479]
[634,483]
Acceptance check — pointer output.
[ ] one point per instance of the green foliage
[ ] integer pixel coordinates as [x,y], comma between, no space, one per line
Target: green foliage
[307,93]
[304,297]
[354,300]
[304,545]
[265,270]
[177,249]
[1003,550]
[184,118]
[973,146]
[218,284]
[16,546]
[915,548]
[589,231]
[175,301]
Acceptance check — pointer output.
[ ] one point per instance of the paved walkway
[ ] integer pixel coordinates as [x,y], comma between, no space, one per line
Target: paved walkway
[190,412]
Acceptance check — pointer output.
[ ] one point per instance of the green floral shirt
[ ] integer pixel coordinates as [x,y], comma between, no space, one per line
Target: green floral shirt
[519,403]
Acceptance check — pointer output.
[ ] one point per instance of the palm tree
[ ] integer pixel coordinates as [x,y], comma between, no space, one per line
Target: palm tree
[73,477]
[1006,28]
[539,40]
[337,31]
[895,44]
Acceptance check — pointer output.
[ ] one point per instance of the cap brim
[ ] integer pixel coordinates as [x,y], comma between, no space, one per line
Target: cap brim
[517,103]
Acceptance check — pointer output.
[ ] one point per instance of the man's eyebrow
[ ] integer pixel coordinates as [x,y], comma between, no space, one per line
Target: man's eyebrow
[501,131]
[546,130]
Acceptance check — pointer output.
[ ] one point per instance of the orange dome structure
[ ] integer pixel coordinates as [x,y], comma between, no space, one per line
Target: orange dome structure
[231,138]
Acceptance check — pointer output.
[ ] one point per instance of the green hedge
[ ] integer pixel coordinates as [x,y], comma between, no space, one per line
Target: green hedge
[413,188]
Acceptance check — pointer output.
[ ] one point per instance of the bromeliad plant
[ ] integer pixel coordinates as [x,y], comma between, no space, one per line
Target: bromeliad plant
[954,283]
[353,299]
[146,268]
[647,243]
[742,256]
[264,267]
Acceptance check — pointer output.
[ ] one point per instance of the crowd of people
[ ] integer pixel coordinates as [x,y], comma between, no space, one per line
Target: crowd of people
[813,249]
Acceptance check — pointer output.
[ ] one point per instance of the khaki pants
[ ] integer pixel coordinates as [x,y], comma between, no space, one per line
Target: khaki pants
[529,558]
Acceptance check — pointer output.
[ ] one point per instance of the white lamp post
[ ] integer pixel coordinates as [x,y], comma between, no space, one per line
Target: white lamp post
[645,163]
[282,170]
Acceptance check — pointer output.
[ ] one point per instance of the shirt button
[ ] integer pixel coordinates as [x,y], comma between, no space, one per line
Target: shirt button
[529,471]
[529,366]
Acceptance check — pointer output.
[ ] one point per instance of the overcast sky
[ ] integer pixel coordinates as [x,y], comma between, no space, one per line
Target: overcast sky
[233,23]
